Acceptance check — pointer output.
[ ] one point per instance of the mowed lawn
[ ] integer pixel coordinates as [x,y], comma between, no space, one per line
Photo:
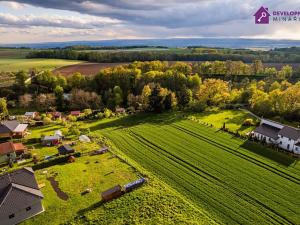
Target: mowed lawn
[236,182]
[13,65]
[96,172]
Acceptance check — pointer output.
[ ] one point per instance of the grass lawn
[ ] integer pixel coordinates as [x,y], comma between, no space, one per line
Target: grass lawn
[12,64]
[97,172]
[232,118]
[235,181]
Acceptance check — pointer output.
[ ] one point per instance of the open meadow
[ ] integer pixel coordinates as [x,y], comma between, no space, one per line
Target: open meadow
[235,181]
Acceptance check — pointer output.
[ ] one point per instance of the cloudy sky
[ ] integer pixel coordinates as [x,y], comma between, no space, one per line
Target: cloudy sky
[24,21]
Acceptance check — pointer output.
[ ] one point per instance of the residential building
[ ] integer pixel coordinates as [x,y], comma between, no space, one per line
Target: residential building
[285,137]
[20,197]
[9,129]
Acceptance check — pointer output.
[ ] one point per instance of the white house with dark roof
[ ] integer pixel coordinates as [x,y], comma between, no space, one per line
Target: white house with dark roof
[286,137]
[20,196]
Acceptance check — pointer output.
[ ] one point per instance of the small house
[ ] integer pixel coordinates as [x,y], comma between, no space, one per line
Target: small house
[20,196]
[15,129]
[120,110]
[75,113]
[31,115]
[111,193]
[51,140]
[55,115]
[7,152]
[65,149]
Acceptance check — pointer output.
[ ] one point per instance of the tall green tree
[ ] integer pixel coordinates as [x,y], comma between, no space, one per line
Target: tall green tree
[3,108]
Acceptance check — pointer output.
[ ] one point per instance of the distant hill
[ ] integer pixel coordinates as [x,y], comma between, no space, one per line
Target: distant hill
[175,42]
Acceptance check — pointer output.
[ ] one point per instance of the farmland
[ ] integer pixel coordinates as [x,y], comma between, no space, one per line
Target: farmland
[236,181]
[13,65]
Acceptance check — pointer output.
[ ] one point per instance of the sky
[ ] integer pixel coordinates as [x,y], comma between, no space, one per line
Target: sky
[28,21]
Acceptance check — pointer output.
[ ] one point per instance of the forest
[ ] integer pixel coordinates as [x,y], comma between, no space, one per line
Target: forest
[160,86]
[192,53]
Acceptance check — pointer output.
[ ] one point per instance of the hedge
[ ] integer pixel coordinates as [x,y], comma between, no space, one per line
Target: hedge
[55,161]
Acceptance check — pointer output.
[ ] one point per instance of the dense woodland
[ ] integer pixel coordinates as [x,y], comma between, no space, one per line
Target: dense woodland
[159,86]
[194,53]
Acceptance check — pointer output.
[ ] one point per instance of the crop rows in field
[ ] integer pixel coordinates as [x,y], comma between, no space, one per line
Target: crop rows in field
[233,184]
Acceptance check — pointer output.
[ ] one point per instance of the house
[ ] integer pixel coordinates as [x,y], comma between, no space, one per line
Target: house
[9,151]
[285,137]
[51,140]
[120,110]
[20,197]
[55,115]
[31,115]
[75,113]
[65,149]
[12,129]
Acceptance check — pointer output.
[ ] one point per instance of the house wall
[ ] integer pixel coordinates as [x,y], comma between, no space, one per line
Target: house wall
[5,158]
[296,149]
[286,143]
[264,138]
[22,215]
[4,135]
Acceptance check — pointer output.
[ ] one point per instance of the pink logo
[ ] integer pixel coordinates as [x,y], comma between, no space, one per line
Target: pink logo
[262,16]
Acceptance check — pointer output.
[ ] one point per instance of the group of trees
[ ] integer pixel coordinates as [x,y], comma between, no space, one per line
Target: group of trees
[158,86]
[288,55]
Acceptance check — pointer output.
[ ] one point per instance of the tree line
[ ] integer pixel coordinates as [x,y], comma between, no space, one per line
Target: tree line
[290,55]
[158,86]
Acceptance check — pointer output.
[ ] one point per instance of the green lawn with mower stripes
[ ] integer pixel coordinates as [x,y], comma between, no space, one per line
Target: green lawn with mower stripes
[234,180]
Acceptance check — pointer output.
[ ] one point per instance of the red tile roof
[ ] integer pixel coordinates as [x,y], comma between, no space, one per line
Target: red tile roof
[9,147]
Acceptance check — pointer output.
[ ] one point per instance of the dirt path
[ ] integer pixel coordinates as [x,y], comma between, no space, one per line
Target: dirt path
[62,195]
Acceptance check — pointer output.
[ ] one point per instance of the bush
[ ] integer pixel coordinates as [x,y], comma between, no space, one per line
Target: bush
[248,122]
[55,161]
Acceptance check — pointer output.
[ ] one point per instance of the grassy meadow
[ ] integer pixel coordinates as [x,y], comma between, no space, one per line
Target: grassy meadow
[13,65]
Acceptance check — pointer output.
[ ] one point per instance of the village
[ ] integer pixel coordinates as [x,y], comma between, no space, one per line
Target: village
[28,161]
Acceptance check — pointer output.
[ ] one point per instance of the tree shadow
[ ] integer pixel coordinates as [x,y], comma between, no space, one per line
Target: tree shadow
[141,118]
[279,157]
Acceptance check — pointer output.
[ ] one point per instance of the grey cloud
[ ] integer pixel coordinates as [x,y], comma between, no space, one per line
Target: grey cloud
[53,21]
[165,13]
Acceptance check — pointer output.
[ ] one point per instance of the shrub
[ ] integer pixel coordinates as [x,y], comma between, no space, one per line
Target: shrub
[248,122]
[55,161]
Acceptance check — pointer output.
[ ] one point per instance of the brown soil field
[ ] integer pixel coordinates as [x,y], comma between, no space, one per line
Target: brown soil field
[91,69]
[88,69]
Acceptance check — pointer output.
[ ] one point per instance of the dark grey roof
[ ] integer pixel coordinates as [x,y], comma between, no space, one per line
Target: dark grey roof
[4,129]
[18,189]
[65,148]
[11,125]
[268,130]
[290,132]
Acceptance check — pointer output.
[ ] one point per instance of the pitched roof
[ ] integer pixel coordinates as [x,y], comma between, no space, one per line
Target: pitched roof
[30,113]
[21,127]
[19,147]
[18,189]
[65,148]
[51,138]
[6,148]
[290,132]
[10,125]
[268,130]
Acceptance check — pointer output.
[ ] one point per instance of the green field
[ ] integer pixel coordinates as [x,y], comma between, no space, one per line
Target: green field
[12,65]
[154,203]
[235,181]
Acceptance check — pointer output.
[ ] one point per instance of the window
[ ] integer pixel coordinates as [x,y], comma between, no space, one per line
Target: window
[11,216]
[288,146]
[280,142]
[28,208]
